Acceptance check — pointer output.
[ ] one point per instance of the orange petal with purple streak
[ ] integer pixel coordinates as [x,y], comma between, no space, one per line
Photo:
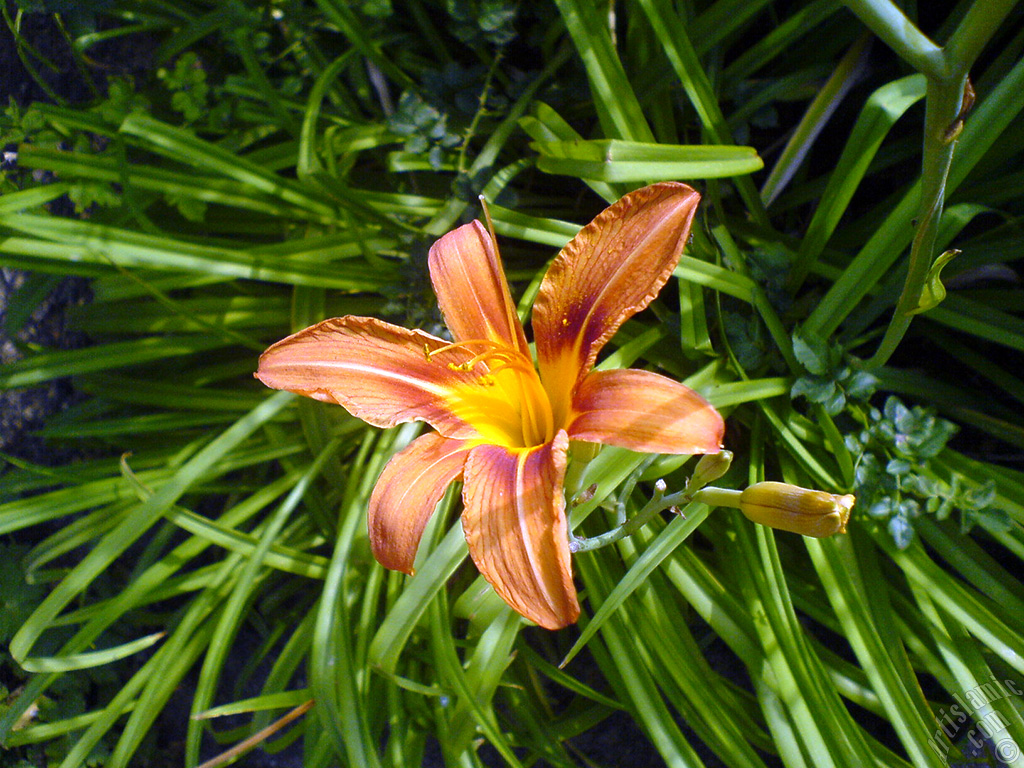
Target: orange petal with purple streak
[610,271]
[515,525]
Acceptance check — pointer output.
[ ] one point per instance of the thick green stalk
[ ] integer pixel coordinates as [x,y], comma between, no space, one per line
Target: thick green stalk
[887,21]
[946,70]
[942,105]
[977,27]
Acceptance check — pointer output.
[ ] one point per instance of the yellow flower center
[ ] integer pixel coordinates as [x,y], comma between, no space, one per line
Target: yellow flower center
[506,403]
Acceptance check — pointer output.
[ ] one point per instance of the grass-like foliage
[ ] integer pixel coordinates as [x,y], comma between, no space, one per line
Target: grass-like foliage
[288,161]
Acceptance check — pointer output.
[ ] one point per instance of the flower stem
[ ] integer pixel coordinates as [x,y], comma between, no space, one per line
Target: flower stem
[942,107]
[659,503]
[946,70]
[709,468]
[718,497]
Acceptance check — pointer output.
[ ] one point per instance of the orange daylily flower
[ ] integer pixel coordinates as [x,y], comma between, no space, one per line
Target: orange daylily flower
[503,425]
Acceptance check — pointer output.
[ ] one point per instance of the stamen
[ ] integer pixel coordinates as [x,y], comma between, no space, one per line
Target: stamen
[537,420]
[462,345]
[510,358]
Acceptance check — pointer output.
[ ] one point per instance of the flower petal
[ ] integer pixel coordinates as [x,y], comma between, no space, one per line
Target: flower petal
[644,412]
[610,271]
[471,288]
[381,374]
[516,528]
[405,496]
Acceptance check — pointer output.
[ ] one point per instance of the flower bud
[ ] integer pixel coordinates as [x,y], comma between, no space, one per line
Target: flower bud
[710,467]
[796,509]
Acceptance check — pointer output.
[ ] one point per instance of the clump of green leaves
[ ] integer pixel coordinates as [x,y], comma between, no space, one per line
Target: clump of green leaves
[17,124]
[745,331]
[190,92]
[488,21]
[123,98]
[28,125]
[278,127]
[896,482]
[832,378]
[454,104]
[425,128]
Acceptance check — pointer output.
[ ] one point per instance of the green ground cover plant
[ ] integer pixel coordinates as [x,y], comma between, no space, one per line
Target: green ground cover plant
[289,161]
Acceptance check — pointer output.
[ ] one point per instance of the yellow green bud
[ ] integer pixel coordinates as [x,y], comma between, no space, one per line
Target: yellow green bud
[710,467]
[799,510]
